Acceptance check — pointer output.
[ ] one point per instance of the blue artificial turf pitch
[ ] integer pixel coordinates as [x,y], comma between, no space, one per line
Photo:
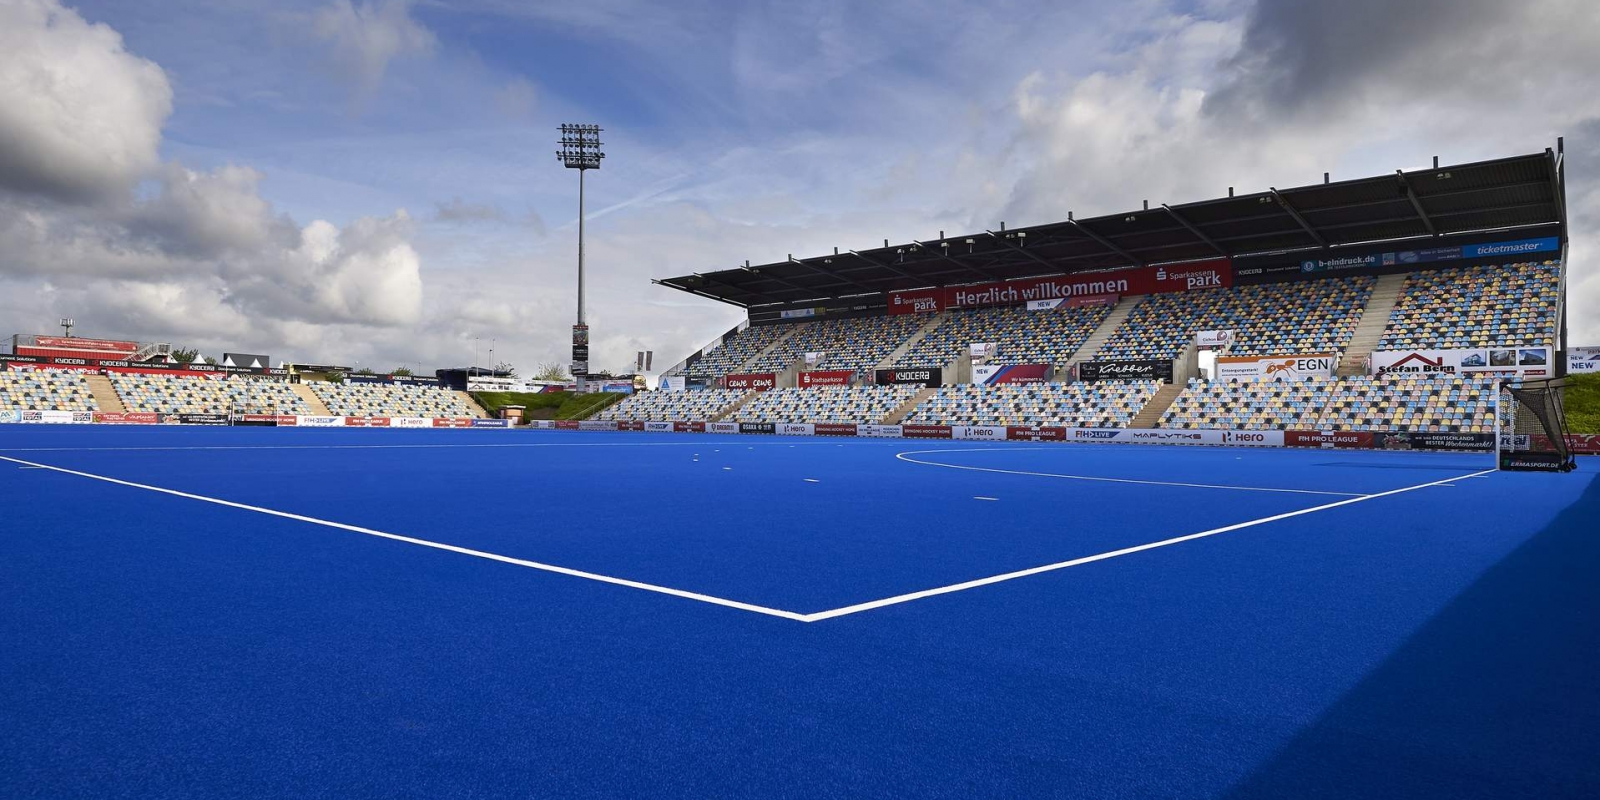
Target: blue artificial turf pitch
[725,638]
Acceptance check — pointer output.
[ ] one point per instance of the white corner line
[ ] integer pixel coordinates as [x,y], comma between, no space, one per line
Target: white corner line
[973,584]
[902,457]
[648,587]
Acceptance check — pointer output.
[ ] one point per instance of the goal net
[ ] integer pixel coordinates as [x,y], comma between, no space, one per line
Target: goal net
[1531,427]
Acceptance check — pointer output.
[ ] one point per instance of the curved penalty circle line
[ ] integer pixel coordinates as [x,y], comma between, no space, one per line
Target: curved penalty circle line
[1097,478]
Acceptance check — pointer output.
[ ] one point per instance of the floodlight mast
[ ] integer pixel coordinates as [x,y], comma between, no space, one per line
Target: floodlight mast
[580,150]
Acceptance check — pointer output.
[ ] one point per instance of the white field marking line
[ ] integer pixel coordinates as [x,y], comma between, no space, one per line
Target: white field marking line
[649,587]
[902,457]
[959,587]
[981,497]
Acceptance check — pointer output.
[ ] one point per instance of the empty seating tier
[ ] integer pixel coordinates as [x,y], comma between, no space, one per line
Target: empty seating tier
[731,355]
[388,400]
[696,405]
[1449,309]
[1050,336]
[1106,404]
[42,390]
[181,394]
[857,344]
[1384,403]
[859,404]
[1317,316]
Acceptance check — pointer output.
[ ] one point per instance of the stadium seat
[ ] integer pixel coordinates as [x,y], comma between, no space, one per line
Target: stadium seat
[696,405]
[1449,309]
[1444,404]
[45,390]
[844,404]
[1106,404]
[1316,316]
[183,394]
[731,355]
[1050,336]
[389,400]
[857,344]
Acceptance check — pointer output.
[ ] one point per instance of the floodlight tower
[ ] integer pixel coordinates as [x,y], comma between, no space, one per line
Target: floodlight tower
[580,150]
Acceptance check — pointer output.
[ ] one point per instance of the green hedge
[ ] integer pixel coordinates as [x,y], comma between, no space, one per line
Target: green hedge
[1582,402]
[567,405]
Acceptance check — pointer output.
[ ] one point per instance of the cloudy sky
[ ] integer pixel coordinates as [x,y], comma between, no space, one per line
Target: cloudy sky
[373,181]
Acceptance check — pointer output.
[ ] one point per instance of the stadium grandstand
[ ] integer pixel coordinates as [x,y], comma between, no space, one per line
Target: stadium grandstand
[1381,304]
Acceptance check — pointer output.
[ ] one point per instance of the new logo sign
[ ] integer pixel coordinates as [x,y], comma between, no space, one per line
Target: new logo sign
[754,382]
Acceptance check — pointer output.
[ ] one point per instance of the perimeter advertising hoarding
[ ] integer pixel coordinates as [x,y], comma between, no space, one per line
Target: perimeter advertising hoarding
[925,376]
[198,419]
[658,427]
[320,422]
[1022,434]
[129,418]
[688,427]
[1211,274]
[410,422]
[478,422]
[1328,439]
[925,431]
[10,416]
[835,377]
[990,433]
[834,429]
[753,382]
[796,429]
[630,425]
[995,374]
[366,422]
[452,422]
[757,427]
[891,431]
[1125,371]
[57,417]
[1526,362]
[1423,440]
[596,425]
[722,427]
[1276,368]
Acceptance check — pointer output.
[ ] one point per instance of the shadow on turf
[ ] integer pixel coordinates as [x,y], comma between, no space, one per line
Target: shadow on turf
[1496,696]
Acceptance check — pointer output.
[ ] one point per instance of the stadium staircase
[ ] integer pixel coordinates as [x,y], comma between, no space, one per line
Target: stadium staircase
[304,392]
[732,408]
[756,359]
[908,406]
[1102,333]
[1158,405]
[474,408]
[905,346]
[105,397]
[1374,318]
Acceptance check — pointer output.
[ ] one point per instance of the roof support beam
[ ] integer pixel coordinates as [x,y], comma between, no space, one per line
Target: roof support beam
[1106,243]
[831,274]
[795,286]
[1283,203]
[1415,203]
[698,292]
[763,296]
[1023,250]
[939,251]
[891,267]
[1198,234]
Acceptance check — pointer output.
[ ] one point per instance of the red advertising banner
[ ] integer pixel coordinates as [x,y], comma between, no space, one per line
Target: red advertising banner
[1583,444]
[1211,274]
[366,422]
[834,429]
[1328,439]
[631,425]
[826,377]
[131,418]
[1036,434]
[688,427]
[566,424]
[754,382]
[74,343]
[925,431]
[452,422]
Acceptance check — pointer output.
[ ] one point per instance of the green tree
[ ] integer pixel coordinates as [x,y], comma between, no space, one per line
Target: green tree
[185,356]
[211,361]
[401,371]
[362,371]
[551,371]
[506,368]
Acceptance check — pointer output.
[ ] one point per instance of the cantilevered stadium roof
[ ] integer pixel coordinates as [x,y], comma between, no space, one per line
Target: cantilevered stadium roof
[1443,201]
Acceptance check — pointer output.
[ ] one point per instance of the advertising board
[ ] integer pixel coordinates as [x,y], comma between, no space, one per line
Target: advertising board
[1209,274]
[924,376]
[1146,370]
[998,374]
[1276,368]
[834,377]
[1525,362]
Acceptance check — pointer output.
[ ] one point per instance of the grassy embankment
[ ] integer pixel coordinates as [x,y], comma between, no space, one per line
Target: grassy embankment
[548,405]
